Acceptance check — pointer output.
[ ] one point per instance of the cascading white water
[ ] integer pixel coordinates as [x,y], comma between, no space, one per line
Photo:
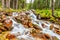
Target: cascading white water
[44,30]
[23,33]
[20,31]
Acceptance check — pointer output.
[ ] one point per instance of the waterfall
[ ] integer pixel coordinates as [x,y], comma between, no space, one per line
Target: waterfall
[44,30]
[20,31]
[24,33]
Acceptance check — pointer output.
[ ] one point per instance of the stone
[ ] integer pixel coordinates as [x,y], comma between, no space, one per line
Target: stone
[43,25]
[47,36]
[10,36]
[0,20]
[54,38]
[26,26]
[1,24]
[30,25]
[57,30]
[40,38]
[51,27]
[0,31]
[2,28]
[3,16]
[38,16]
[8,23]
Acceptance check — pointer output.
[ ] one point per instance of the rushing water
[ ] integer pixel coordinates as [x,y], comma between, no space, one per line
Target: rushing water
[19,30]
[44,30]
[23,33]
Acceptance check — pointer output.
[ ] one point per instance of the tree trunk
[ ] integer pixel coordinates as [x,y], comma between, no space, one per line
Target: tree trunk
[47,4]
[3,4]
[59,3]
[13,4]
[53,2]
[8,3]
[16,4]
[38,4]
[50,3]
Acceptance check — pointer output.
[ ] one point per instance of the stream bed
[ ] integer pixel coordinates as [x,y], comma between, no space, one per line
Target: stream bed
[23,33]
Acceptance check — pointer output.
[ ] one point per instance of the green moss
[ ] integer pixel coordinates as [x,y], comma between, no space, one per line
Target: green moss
[48,14]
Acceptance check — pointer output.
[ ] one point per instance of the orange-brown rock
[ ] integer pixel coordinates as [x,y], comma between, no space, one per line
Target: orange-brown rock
[43,25]
[0,20]
[0,31]
[30,25]
[25,22]
[38,31]
[26,26]
[8,23]
[54,38]
[35,31]
[2,28]
[32,30]
[10,36]
[47,36]
[57,30]
[40,36]
[35,26]
[3,16]
[51,27]
[9,13]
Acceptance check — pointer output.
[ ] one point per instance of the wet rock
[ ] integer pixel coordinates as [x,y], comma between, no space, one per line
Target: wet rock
[8,23]
[22,39]
[2,28]
[38,16]
[32,30]
[43,25]
[23,18]
[1,24]
[26,26]
[22,13]
[0,20]
[3,16]
[54,38]
[2,13]
[39,36]
[9,14]
[0,31]
[47,36]
[10,36]
[57,30]
[30,25]
[36,27]
[51,27]
[27,13]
